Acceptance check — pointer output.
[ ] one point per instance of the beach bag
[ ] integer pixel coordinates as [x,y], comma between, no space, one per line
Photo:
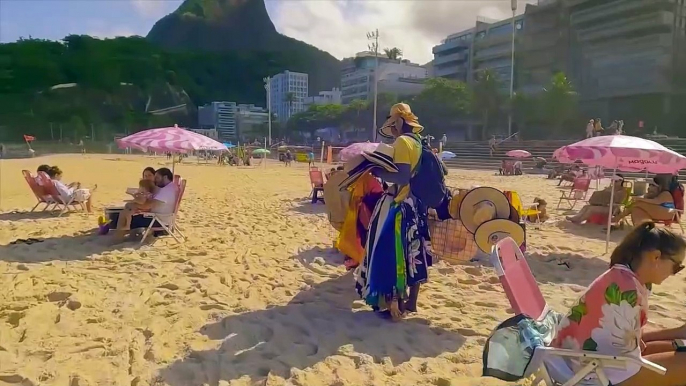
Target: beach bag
[335,200]
[508,351]
[428,181]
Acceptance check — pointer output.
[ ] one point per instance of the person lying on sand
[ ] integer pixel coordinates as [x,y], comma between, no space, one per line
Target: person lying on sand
[599,203]
[611,316]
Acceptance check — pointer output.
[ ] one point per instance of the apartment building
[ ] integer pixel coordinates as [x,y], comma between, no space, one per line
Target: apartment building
[452,58]
[249,120]
[288,91]
[626,53]
[397,76]
[492,47]
[324,98]
[220,116]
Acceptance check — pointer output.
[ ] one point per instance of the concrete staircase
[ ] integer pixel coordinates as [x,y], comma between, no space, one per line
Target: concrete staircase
[476,155]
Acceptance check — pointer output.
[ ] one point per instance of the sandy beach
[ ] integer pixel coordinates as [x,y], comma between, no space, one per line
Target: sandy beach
[255,296]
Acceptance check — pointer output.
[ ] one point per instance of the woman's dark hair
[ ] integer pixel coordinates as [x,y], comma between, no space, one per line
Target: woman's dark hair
[54,171]
[646,237]
[149,169]
[43,168]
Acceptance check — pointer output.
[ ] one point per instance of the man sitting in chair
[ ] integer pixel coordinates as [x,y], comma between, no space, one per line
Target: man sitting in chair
[163,204]
[599,203]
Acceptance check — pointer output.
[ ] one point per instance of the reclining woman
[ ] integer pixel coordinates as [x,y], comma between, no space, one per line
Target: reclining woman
[73,190]
[599,203]
[658,204]
[611,317]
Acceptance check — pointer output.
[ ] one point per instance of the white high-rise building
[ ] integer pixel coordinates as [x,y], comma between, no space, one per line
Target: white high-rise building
[284,84]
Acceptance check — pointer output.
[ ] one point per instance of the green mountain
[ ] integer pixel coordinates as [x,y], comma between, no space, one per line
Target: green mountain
[241,25]
[132,83]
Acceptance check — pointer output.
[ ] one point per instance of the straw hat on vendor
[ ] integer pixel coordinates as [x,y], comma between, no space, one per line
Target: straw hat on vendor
[382,158]
[400,112]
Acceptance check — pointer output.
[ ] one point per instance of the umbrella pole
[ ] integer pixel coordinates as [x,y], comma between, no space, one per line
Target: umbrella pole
[609,215]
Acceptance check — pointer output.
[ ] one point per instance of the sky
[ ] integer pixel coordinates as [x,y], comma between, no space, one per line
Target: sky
[336,26]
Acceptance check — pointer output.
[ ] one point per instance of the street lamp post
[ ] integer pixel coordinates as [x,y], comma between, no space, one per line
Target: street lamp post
[374,47]
[268,88]
[512,64]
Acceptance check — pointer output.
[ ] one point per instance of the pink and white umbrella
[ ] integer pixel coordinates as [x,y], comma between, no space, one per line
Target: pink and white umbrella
[171,139]
[356,149]
[621,152]
[518,154]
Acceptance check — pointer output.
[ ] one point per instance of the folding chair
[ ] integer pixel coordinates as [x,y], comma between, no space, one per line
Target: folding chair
[577,193]
[317,181]
[38,191]
[61,203]
[170,227]
[526,298]
[524,213]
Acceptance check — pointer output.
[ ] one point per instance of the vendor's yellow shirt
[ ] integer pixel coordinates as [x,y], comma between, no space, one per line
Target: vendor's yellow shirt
[406,151]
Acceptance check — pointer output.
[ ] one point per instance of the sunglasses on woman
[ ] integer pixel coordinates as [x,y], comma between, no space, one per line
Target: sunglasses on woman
[678,265]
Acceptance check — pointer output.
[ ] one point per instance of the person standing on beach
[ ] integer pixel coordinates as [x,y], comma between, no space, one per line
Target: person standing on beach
[310,159]
[397,256]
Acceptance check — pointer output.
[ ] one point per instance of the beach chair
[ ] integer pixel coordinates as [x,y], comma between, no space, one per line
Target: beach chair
[38,191]
[171,227]
[62,204]
[317,181]
[524,213]
[526,298]
[508,168]
[577,193]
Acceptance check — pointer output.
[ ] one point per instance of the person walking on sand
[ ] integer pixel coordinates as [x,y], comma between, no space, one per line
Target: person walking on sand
[387,273]
[492,145]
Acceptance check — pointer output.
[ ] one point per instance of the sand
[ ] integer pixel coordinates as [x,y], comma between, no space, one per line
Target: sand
[255,296]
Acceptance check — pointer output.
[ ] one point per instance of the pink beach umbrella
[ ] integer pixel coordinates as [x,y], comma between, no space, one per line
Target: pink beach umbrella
[622,152]
[171,139]
[356,149]
[518,154]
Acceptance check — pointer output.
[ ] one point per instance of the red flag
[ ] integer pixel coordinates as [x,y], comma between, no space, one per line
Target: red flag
[29,138]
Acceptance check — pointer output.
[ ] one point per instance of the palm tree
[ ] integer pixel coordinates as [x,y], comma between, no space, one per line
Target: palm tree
[560,101]
[290,98]
[487,98]
[394,53]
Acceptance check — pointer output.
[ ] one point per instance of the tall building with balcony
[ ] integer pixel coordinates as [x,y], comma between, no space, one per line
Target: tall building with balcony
[543,47]
[452,58]
[288,93]
[492,47]
[250,120]
[220,116]
[626,53]
[395,76]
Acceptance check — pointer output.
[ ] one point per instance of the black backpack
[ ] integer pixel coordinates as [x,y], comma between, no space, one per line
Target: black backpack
[428,180]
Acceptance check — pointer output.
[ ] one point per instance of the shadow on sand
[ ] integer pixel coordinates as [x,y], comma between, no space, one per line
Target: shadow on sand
[315,325]
[304,205]
[64,248]
[566,268]
[37,215]
[592,231]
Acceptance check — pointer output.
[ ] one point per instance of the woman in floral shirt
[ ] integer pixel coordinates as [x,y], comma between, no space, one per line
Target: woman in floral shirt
[610,317]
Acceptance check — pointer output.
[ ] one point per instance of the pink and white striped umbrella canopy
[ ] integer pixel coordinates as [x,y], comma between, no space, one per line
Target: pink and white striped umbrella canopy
[624,153]
[173,139]
[518,154]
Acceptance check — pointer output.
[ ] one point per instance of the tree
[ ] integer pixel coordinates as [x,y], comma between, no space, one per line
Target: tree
[77,127]
[394,53]
[442,101]
[559,102]
[486,99]
[355,108]
[290,99]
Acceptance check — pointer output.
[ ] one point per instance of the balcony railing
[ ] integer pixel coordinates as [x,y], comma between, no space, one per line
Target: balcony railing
[451,45]
[456,57]
[624,26]
[607,10]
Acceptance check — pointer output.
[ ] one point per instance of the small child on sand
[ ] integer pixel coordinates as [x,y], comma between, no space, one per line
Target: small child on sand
[542,209]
